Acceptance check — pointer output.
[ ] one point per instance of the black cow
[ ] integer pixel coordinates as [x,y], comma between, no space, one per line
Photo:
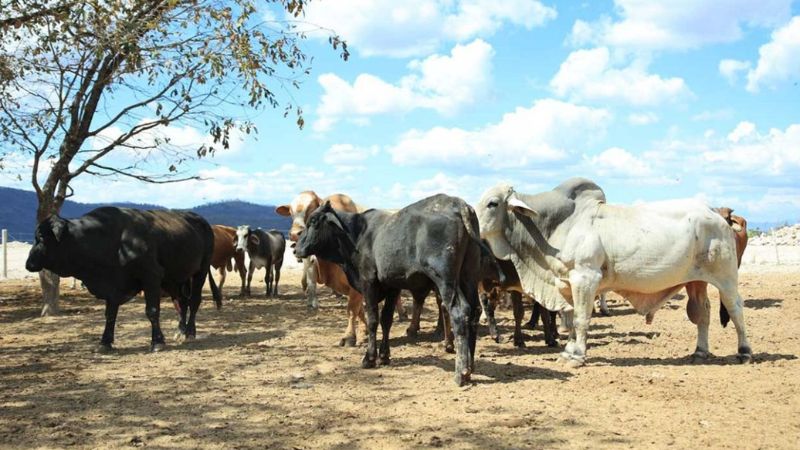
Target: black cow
[430,244]
[265,249]
[490,291]
[118,252]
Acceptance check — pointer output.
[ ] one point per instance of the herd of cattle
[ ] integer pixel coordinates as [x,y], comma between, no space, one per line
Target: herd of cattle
[562,248]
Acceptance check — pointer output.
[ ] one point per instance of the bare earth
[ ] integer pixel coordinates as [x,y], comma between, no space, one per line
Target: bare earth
[267,373]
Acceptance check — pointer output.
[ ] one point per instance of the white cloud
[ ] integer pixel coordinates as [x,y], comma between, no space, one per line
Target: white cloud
[679,24]
[547,131]
[590,75]
[178,137]
[420,27]
[645,118]
[730,68]
[339,154]
[756,156]
[217,184]
[742,131]
[617,161]
[779,60]
[443,83]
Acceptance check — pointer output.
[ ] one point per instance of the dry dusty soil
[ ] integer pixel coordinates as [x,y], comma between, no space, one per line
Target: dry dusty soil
[267,373]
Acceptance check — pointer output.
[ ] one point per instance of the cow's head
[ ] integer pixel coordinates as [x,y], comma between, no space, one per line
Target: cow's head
[300,210]
[47,247]
[495,213]
[244,238]
[325,236]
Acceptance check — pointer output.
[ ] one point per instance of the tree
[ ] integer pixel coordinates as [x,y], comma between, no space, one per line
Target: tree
[85,86]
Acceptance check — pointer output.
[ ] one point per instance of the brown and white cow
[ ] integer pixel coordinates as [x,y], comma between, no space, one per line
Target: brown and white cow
[224,251]
[319,271]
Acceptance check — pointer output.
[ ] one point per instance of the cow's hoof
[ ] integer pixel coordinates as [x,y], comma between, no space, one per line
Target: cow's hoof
[528,325]
[552,344]
[605,313]
[347,341]
[190,337]
[496,337]
[104,349]
[519,343]
[571,361]
[574,363]
[699,356]
[463,378]
[385,360]
[157,347]
[745,355]
[367,363]
[449,348]
[412,332]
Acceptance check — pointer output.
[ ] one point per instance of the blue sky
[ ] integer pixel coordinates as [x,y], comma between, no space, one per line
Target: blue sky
[653,100]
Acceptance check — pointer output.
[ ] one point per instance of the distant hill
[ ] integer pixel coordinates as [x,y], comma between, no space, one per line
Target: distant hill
[18,213]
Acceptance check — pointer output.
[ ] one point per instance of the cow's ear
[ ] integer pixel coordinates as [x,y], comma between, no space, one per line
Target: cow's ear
[254,239]
[518,206]
[283,210]
[327,206]
[59,226]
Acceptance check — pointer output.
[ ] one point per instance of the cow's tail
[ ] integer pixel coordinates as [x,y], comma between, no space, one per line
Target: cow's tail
[230,265]
[215,294]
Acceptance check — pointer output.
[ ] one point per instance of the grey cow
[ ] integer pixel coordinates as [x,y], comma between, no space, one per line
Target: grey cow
[265,249]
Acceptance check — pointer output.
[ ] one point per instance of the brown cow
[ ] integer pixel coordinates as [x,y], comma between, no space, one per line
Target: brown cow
[317,270]
[224,250]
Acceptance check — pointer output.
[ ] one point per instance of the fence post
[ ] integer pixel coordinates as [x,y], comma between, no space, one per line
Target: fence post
[5,253]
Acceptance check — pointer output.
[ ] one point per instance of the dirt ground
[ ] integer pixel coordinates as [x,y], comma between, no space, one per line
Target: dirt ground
[268,373]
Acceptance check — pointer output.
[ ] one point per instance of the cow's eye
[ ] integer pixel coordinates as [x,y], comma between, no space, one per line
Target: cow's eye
[492,204]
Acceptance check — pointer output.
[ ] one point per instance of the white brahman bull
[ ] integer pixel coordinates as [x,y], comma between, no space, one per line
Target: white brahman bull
[568,245]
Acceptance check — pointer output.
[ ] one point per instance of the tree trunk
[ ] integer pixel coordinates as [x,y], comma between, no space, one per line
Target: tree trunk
[50,293]
[47,279]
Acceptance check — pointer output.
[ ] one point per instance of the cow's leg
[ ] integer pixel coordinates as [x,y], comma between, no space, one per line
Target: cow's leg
[459,312]
[470,291]
[519,313]
[310,272]
[223,273]
[387,316]
[447,329]
[105,346]
[196,296]
[698,309]
[268,277]
[250,270]
[354,307]
[729,295]
[276,279]
[535,313]
[584,283]
[239,264]
[416,313]
[565,326]
[402,311]
[152,308]
[371,300]
[488,304]
[603,306]
[549,326]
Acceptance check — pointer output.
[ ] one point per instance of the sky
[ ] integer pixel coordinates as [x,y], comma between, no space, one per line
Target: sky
[652,100]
